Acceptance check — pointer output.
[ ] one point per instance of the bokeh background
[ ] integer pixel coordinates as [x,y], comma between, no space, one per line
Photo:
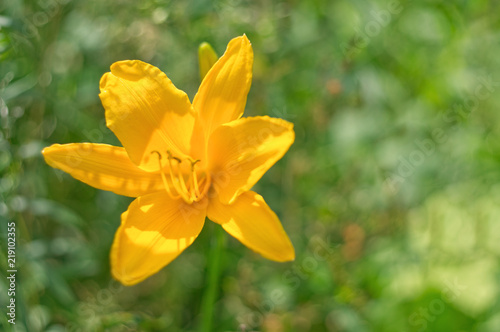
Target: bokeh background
[390,194]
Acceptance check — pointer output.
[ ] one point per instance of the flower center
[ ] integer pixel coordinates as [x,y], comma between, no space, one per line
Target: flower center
[183,184]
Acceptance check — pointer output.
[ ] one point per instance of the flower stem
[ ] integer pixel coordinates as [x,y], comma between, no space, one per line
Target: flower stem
[214,271]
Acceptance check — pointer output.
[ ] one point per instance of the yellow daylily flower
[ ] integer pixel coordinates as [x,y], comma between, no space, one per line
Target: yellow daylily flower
[184,162]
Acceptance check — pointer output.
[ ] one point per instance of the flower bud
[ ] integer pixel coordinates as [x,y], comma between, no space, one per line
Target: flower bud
[207,58]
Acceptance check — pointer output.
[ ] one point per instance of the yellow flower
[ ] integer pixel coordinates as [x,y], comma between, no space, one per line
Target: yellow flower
[183,162]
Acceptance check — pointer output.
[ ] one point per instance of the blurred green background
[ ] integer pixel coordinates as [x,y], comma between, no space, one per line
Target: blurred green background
[390,194]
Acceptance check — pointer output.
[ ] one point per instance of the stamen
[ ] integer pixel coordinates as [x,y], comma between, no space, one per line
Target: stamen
[188,190]
[163,178]
[181,180]
[206,184]
[195,177]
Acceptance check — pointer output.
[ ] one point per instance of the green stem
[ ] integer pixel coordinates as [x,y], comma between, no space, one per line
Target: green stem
[214,271]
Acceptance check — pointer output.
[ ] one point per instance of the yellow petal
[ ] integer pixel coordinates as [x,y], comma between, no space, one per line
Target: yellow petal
[154,230]
[223,93]
[241,151]
[253,223]
[104,167]
[146,112]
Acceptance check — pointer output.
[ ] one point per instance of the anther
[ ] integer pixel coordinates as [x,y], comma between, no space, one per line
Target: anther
[194,162]
[158,153]
[171,156]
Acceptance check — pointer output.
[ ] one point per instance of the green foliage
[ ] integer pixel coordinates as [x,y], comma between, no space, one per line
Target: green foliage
[390,193]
